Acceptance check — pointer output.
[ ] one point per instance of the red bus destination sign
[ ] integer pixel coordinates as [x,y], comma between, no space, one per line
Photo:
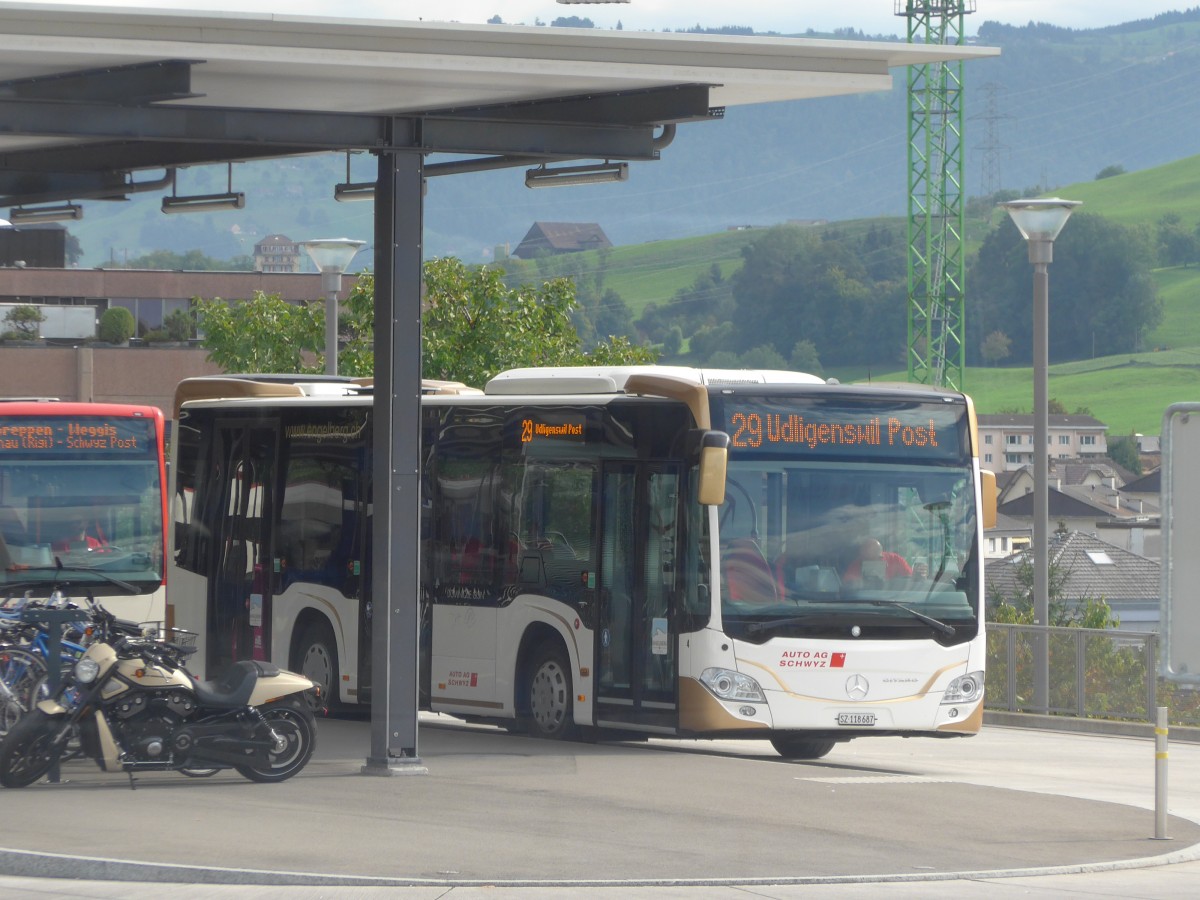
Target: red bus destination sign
[31,436]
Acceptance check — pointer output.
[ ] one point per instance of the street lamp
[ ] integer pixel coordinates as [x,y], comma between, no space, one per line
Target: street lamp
[332,257]
[1039,222]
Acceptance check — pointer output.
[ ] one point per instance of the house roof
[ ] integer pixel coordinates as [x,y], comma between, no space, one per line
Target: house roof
[1077,471]
[1150,483]
[563,236]
[1062,504]
[1089,566]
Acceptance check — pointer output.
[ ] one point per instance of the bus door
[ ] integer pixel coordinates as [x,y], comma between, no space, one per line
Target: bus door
[239,594]
[636,650]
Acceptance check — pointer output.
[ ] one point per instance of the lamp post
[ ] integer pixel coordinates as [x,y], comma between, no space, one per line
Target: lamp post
[332,258]
[1039,222]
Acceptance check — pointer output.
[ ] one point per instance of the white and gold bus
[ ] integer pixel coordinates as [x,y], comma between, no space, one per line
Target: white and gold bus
[643,550]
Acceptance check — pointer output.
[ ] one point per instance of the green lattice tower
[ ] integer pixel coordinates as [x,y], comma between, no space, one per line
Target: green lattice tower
[935,196]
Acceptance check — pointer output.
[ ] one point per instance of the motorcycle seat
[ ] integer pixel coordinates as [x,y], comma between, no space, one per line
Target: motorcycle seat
[236,683]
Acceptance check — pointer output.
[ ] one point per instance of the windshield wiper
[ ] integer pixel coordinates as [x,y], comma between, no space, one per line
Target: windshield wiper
[933,623]
[755,627]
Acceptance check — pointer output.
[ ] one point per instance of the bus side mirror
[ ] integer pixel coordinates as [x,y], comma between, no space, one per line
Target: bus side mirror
[714,459]
[988,493]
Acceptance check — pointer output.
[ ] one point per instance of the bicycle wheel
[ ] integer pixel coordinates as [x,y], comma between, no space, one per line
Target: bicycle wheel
[22,673]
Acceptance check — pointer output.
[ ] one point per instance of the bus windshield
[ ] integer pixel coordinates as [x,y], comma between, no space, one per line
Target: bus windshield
[858,517]
[83,493]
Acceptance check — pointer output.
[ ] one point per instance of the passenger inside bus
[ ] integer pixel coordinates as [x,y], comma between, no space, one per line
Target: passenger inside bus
[874,565]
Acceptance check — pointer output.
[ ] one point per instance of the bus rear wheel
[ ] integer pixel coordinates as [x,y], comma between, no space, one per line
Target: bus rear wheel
[794,746]
[549,695]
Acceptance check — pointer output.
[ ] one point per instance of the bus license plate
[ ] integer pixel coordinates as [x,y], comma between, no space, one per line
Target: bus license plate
[856,718]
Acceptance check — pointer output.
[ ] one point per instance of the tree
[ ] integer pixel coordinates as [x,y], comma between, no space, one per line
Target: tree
[117,325]
[1102,295]
[474,326]
[1177,246]
[191,261]
[996,347]
[1123,450]
[262,334]
[24,321]
[805,358]
[1109,172]
[797,285]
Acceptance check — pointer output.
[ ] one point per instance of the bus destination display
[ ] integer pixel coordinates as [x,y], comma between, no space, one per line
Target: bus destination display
[72,435]
[538,427]
[921,430]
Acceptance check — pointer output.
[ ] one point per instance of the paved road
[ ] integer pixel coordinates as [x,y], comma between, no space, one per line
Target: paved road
[1021,812]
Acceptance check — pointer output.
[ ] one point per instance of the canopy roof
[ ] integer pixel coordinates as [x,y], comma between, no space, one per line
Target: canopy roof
[90,95]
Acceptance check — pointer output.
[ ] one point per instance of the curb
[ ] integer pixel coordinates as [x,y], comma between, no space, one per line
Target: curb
[1073,725]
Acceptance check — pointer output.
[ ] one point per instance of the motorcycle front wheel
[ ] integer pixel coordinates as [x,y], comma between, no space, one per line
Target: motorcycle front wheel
[296,729]
[28,750]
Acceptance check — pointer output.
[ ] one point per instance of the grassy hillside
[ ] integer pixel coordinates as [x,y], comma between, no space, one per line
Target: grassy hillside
[1142,198]
[1128,393]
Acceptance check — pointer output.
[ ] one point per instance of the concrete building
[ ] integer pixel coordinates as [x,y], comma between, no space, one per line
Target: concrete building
[1006,441]
[141,373]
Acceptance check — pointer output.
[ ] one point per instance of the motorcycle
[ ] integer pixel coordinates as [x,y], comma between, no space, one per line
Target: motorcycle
[130,705]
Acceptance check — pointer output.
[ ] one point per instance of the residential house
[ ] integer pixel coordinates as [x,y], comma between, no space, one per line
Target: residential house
[277,253]
[553,238]
[1088,568]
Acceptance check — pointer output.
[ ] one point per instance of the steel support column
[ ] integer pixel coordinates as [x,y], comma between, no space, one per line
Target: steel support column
[396,467]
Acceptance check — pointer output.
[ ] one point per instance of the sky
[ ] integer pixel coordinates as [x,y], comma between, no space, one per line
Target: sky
[785,16]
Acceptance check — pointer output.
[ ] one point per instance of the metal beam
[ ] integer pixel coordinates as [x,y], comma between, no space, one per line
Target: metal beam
[127,156]
[314,132]
[17,188]
[652,106]
[168,79]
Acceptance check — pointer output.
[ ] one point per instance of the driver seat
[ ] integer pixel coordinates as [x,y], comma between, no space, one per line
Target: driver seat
[748,576]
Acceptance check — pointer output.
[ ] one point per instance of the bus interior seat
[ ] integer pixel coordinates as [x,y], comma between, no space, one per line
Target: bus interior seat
[748,575]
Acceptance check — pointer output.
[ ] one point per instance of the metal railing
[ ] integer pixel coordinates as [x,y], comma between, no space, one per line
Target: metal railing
[1094,673]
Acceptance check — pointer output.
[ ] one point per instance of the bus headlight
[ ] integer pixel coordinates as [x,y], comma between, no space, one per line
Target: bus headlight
[964,689]
[86,670]
[730,685]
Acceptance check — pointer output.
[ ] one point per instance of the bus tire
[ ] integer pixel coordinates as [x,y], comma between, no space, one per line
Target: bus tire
[549,695]
[794,746]
[317,660]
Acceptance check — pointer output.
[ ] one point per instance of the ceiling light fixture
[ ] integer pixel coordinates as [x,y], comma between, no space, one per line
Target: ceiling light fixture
[565,176]
[205,202]
[60,213]
[352,191]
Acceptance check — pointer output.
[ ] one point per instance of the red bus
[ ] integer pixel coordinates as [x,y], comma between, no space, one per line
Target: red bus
[83,501]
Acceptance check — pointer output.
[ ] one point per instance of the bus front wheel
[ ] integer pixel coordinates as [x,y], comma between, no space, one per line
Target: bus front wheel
[792,746]
[549,694]
[318,662]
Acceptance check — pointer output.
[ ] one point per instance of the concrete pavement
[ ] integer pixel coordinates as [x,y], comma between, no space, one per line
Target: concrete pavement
[1010,811]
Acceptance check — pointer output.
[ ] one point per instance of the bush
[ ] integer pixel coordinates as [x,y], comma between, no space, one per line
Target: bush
[25,321]
[117,325]
[179,326]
